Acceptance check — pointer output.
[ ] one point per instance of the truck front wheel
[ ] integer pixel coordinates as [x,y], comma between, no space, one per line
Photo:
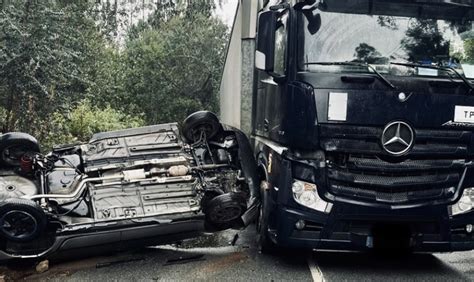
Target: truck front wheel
[264,243]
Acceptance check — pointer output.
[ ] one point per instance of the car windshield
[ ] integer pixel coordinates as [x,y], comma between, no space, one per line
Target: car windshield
[384,41]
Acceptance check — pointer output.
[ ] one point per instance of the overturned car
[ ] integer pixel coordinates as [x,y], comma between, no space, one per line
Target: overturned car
[141,186]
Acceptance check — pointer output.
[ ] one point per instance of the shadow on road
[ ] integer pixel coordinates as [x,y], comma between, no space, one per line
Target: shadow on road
[233,255]
[372,266]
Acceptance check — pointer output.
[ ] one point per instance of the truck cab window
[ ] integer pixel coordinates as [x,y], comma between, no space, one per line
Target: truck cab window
[281,38]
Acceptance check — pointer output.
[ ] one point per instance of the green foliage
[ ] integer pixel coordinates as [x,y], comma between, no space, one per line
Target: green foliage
[189,9]
[367,54]
[424,40]
[86,120]
[46,48]
[67,70]
[83,121]
[175,70]
[469,50]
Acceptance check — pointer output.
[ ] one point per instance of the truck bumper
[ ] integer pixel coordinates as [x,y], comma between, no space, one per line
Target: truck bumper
[345,232]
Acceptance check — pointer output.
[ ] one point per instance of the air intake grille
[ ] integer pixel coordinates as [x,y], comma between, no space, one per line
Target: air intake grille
[360,169]
[411,181]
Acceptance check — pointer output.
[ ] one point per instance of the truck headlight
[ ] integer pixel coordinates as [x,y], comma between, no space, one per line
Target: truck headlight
[306,194]
[465,204]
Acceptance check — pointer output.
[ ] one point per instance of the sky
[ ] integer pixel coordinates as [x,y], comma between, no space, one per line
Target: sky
[227,11]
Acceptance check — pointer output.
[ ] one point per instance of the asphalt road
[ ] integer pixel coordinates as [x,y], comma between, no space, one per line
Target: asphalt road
[214,258]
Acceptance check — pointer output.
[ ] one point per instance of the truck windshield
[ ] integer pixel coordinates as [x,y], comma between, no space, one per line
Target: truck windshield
[392,45]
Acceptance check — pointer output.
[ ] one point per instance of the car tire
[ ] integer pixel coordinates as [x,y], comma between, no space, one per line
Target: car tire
[14,145]
[225,211]
[264,243]
[194,124]
[21,220]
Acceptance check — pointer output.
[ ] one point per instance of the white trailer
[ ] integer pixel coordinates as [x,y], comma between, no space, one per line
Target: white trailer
[236,87]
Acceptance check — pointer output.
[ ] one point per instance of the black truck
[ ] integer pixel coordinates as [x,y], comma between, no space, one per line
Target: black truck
[361,114]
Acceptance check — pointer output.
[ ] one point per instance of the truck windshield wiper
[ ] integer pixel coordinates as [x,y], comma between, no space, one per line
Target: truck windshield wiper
[379,75]
[447,69]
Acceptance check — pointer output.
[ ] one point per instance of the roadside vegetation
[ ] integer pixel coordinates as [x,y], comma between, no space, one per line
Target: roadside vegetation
[69,69]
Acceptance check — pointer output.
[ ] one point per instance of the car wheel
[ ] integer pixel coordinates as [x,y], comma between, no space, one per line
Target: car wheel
[14,145]
[21,220]
[224,211]
[264,243]
[199,122]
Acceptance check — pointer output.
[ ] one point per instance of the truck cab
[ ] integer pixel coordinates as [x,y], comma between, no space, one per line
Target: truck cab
[361,115]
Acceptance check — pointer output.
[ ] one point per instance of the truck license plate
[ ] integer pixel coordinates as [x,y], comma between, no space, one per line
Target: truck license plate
[464,114]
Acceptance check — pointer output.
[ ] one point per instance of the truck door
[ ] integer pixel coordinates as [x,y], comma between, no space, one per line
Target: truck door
[270,93]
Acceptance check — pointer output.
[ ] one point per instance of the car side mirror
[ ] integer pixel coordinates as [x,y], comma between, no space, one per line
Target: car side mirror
[265,53]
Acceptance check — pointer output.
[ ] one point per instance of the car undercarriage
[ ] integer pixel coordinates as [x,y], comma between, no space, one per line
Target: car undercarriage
[134,184]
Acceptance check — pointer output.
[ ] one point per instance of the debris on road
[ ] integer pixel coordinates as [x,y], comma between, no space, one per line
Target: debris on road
[183,260]
[236,237]
[43,266]
[115,262]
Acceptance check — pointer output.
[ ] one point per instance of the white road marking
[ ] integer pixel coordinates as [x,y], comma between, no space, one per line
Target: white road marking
[316,272]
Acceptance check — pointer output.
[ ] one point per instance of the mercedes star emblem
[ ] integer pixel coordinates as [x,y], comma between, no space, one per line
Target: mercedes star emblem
[397,138]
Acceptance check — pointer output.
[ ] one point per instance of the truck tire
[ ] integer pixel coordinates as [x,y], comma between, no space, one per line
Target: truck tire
[21,220]
[14,145]
[198,122]
[264,243]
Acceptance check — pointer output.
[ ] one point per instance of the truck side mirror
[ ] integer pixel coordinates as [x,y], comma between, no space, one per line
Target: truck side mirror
[265,53]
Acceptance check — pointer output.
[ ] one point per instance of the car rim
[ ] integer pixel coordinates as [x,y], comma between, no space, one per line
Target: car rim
[206,128]
[12,154]
[18,224]
[226,215]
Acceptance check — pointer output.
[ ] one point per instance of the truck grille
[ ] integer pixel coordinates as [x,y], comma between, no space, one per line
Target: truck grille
[359,169]
[374,180]
[366,140]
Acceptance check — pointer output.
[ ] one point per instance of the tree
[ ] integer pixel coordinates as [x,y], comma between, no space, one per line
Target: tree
[45,50]
[85,119]
[66,71]
[469,50]
[175,69]
[166,10]
[424,41]
[367,54]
